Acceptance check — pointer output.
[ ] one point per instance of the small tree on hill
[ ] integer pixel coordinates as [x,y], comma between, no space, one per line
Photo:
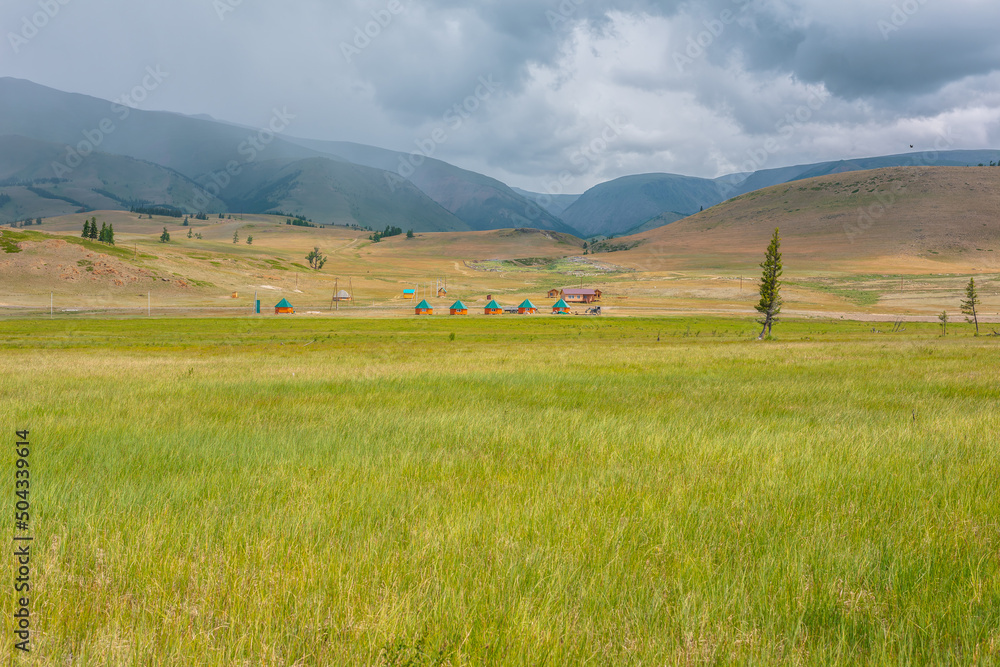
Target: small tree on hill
[316,259]
[165,236]
[249,240]
[236,237]
[86,230]
[770,286]
[102,236]
[409,233]
[190,232]
[970,303]
[110,236]
[93,229]
[944,322]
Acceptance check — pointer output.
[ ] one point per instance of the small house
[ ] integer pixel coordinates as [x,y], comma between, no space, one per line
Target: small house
[442,291]
[409,293]
[493,308]
[527,308]
[424,308]
[283,307]
[553,293]
[458,308]
[560,307]
[581,295]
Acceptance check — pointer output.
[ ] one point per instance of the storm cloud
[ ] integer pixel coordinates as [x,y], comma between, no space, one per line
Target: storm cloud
[586,89]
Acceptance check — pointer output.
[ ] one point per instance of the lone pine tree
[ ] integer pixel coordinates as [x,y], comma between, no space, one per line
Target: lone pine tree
[770,286]
[970,303]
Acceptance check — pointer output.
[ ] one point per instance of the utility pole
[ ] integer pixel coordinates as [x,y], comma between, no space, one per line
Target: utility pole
[336,292]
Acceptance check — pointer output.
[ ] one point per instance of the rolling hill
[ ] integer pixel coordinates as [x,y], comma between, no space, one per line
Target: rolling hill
[916,219]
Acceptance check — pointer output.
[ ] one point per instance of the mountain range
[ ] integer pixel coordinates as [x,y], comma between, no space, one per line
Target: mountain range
[64,152]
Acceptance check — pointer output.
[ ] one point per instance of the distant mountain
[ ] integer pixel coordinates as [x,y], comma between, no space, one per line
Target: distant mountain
[368,193]
[191,146]
[102,181]
[619,206]
[328,191]
[554,204]
[480,201]
[85,144]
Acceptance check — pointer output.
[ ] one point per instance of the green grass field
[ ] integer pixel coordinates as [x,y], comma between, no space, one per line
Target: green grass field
[533,491]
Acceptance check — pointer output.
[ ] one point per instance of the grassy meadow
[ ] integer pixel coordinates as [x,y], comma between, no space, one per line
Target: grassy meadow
[537,491]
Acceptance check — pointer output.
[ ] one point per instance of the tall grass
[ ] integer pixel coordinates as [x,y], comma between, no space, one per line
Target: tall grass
[529,493]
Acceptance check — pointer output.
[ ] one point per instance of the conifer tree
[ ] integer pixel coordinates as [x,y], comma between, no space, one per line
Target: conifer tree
[93,228]
[102,236]
[86,230]
[770,286]
[111,234]
[165,236]
[236,237]
[970,303]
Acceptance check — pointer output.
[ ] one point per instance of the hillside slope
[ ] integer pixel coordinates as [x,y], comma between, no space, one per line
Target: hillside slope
[102,181]
[482,202]
[902,218]
[327,191]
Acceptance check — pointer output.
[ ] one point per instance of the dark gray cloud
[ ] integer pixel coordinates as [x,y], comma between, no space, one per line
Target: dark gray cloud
[697,87]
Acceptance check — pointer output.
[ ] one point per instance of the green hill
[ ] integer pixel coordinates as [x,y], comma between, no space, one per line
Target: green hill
[327,191]
[100,182]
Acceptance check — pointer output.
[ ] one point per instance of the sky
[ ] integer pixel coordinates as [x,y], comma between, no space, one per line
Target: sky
[550,96]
